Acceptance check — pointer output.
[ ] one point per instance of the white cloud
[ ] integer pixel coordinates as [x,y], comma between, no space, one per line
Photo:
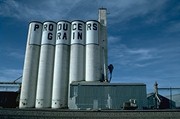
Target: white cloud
[113,40]
[16,54]
[173,27]
[12,53]
[121,10]
[10,74]
[142,54]
[124,10]
[134,57]
[143,64]
[39,10]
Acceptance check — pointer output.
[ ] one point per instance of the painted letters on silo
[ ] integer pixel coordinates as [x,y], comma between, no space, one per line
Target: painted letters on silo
[31,63]
[61,67]
[92,67]
[46,65]
[77,53]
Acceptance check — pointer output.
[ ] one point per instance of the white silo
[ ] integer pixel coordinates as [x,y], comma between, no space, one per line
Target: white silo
[92,67]
[46,65]
[77,52]
[61,67]
[31,63]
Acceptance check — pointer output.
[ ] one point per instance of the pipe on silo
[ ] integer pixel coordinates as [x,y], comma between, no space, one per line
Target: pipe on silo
[61,67]
[92,67]
[46,65]
[31,63]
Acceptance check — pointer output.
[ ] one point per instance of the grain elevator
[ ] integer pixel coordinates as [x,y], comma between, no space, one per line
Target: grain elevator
[66,66]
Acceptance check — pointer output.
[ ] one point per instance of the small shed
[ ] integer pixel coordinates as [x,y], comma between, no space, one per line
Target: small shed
[103,95]
[9,94]
[164,102]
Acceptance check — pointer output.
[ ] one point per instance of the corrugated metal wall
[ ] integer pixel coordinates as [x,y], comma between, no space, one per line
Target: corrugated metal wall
[106,96]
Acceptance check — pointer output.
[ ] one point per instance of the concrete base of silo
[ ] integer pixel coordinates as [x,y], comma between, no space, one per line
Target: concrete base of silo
[15,113]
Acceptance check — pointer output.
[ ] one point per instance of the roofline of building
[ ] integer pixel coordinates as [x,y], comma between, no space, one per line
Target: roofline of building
[97,83]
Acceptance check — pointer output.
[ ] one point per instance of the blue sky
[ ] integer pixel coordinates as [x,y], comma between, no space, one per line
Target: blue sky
[143,35]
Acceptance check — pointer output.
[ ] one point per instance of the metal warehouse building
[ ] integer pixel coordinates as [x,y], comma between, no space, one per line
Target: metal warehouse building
[98,95]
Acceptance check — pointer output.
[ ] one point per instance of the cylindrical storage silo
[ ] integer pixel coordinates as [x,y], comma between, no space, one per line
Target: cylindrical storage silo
[61,67]
[31,63]
[92,67]
[46,65]
[77,52]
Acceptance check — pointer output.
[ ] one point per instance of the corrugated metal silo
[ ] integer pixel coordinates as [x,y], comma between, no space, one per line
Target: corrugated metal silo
[92,67]
[46,65]
[77,52]
[61,67]
[31,63]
